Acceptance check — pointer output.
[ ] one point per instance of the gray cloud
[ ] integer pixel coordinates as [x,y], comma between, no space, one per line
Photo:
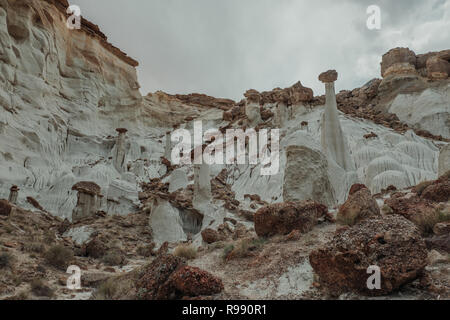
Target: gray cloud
[224,47]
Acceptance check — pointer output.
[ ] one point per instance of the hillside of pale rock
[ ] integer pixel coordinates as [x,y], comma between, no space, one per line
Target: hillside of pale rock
[87,178]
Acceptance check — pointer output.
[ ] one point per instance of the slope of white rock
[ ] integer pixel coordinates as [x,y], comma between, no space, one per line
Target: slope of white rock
[444,160]
[389,159]
[428,110]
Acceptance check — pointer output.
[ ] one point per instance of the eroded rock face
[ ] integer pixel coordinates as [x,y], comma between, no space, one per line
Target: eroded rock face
[438,68]
[294,95]
[283,218]
[444,160]
[306,176]
[206,101]
[178,180]
[166,222]
[359,206]
[392,243]
[88,200]
[398,61]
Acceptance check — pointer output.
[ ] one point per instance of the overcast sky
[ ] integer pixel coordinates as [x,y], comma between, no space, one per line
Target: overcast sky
[224,47]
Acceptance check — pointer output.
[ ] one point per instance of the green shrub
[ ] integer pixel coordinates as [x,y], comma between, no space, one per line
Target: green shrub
[227,250]
[59,257]
[41,289]
[243,248]
[185,251]
[34,247]
[106,290]
[5,260]
[114,257]
[427,222]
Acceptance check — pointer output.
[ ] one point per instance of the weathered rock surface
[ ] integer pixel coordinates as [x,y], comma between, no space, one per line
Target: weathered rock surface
[328,76]
[167,277]
[206,101]
[414,208]
[359,206]
[153,281]
[444,160]
[193,282]
[306,176]
[439,191]
[398,61]
[178,180]
[283,218]
[392,243]
[289,96]
[166,223]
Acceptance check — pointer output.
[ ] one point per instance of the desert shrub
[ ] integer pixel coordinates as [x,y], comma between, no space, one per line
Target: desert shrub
[5,260]
[49,237]
[227,250]
[386,210]
[22,296]
[427,222]
[59,256]
[41,289]
[146,251]
[243,248]
[34,247]
[9,228]
[216,245]
[185,251]
[346,221]
[106,290]
[17,279]
[114,257]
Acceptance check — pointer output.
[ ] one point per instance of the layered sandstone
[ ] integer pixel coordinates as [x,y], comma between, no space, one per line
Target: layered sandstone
[293,95]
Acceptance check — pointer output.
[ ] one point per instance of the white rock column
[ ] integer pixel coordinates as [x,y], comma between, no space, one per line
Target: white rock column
[88,200]
[166,223]
[202,184]
[334,143]
[168,147]
[253,113]
[119,156]
[13,194]
[178,180]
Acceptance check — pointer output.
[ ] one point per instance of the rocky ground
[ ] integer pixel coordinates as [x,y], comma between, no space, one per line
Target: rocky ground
[118,259]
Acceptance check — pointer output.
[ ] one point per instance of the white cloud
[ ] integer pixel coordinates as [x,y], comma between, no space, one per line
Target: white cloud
[224,47]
